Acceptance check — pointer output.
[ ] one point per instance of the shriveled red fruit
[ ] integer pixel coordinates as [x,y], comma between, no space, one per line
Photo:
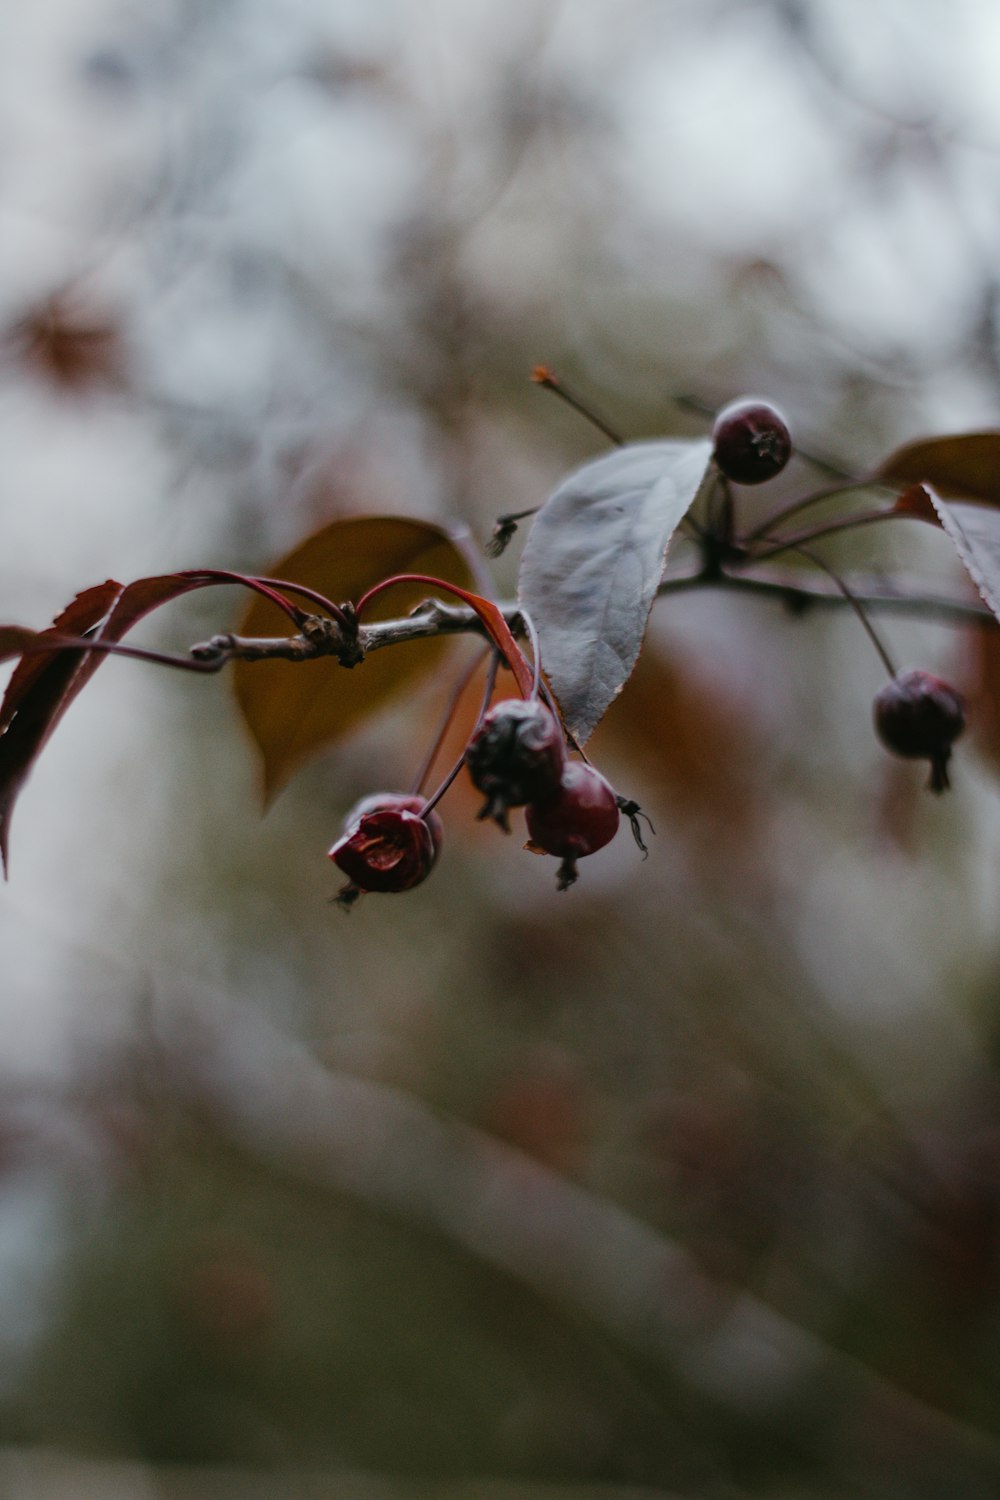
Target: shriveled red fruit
[580,817]
[919,717]
[516,755]
[751,441]
[408,801]
[386,845]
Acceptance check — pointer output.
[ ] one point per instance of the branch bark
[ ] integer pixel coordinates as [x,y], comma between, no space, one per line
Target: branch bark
[798,593]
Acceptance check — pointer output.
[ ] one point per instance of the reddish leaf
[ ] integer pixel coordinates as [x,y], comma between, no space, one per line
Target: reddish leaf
[491,618]
[44,683]
[136,600]
[916,501]
[701,748]
[967,464]
[593,562]
[40,690]
[14,639]
[295,710]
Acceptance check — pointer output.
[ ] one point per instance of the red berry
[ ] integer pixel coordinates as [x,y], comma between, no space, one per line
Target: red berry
[386,845]
[752,441]
[516,755]
[407,801]
[919,717]
[579,818]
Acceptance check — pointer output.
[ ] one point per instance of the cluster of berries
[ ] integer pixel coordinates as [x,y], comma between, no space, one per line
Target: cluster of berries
[916,715]
[516,758]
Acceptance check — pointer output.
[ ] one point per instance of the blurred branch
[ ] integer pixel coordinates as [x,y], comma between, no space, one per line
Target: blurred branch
[873,590]
[391,1151]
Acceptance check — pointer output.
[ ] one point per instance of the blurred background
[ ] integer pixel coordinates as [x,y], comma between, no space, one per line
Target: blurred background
[686,1181]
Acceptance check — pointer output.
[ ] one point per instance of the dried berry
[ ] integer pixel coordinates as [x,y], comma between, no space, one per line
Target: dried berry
[515,756]
[386,845]
[920,717]
[408,801]
[580,817]
[751,441]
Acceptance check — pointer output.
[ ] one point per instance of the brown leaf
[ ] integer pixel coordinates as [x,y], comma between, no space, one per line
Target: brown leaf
[295,710]
[982,687]
[696,743]
[966,464]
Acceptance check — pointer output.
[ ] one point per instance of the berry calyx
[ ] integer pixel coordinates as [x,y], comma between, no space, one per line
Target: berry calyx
[387,845]
[751,441]
[919,717]
[579,818]
[515,756]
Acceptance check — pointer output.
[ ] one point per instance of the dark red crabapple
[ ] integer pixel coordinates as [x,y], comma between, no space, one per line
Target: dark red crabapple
[751,441]
[408,801]
[516,755]
[580,817]
[920,717]
[386,845]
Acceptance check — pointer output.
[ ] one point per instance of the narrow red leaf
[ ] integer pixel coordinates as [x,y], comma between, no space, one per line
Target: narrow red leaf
[14,639]
[40,690]
[44,683]
[916,501]
[494,623]
[84,613]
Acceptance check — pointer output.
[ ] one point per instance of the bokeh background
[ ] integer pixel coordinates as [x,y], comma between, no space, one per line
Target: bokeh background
[684,1182]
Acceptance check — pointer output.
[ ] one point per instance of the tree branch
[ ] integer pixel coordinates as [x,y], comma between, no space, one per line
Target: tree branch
[324,638]
[874,591]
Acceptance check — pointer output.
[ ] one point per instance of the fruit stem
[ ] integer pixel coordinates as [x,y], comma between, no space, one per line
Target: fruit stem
[787,511]
[829,528]
[855,604]
[449,713]
[488,688]
[549,381]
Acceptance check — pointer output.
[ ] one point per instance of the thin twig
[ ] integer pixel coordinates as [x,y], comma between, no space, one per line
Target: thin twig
[828,528]
[871,590]
[856,605]
[805,501]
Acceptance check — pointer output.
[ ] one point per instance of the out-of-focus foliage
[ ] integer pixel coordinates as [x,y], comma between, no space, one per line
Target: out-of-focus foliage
[685,1178]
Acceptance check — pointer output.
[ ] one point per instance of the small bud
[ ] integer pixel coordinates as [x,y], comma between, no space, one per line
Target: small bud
[919,717]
